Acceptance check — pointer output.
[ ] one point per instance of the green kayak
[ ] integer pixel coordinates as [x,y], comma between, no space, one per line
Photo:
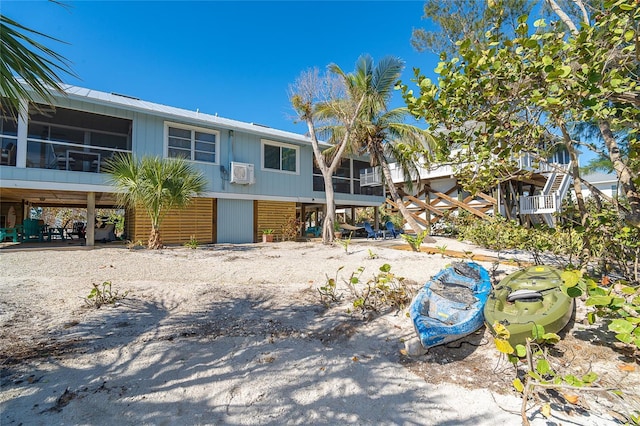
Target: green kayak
[527,297]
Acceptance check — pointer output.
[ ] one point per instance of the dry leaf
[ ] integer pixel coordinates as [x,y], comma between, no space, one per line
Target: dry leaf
[627,367]
[571,399]
[404,352]
[355,359]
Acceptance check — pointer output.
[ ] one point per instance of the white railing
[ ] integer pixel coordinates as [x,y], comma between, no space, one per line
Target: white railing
[69,156]
[371,177]
[530,163]
[525,161]
[564,186]
[548,201]
[539,204]
[443,170]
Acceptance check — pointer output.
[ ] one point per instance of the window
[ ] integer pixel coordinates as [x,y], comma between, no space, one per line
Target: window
[72,140]
[343,179]
[281,157]
[192,144]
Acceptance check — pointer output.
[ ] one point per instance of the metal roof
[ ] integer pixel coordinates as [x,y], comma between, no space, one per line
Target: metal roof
[600,177]
[134,104]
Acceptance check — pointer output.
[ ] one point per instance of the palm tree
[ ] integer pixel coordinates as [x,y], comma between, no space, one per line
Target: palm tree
[383,134]
[24,58]
[156,185]
[327,100]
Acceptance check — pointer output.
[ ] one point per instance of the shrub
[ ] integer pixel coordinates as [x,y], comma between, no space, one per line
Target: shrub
[415,241]
[382,292]
[103,295]
[192,243]
[290,229]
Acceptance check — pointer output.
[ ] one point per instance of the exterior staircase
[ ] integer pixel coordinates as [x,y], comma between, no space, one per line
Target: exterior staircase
[549,201]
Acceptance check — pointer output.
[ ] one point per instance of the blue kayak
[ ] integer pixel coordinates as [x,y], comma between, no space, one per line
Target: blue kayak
[450,305]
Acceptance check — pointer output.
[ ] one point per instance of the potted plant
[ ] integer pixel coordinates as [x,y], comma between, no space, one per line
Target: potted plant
[267,235]
[337,229]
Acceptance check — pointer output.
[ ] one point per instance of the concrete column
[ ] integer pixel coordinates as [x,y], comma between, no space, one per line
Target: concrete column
[91,218]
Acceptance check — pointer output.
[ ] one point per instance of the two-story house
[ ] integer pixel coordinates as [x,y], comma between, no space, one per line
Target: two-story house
[531,195]
[258,177]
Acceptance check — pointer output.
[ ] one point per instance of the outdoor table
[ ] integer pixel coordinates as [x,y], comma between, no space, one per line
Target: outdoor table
[54,230]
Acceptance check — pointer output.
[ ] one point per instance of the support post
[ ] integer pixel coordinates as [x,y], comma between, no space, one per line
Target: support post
[91,218]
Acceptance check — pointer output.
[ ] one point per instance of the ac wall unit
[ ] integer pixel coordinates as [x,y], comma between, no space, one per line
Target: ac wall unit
[242,173]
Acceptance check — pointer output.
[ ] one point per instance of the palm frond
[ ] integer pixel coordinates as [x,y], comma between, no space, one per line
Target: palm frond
[25,58]
[386,75]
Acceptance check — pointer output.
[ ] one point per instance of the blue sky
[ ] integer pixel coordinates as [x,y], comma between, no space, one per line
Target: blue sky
[233,58]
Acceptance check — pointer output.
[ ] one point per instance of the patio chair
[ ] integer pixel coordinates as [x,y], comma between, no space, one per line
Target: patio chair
[33,229]
[9,233]
[371,233]
[392,229]
[79,230]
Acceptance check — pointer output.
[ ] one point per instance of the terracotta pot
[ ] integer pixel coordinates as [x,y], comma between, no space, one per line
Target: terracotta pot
[267,238]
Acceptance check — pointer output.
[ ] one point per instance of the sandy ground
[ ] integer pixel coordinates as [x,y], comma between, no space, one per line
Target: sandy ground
[236,334]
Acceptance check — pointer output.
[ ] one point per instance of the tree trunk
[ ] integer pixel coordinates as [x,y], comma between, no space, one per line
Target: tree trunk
[624,174]
[577,188]
[575,173]
[330,212]
[155,242]
[417,229]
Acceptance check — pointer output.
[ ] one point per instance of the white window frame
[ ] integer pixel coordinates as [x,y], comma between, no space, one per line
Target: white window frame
[192,129]
[296,148]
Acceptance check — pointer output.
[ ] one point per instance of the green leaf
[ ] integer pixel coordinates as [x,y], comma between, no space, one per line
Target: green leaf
[621,326]
[540,23]
[572,380]
[543,367]
[537,331]
[594,77]
[598,301]
[566,70]
[385,268]
[551,338]
[624,337]
[617,302]
[590,377]
[574,292]
[521,351]
[628,35]
[570,278]
[534,375]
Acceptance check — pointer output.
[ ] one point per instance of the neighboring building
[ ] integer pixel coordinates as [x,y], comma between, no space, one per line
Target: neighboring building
[532,195]
[258,177]
[607,183]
